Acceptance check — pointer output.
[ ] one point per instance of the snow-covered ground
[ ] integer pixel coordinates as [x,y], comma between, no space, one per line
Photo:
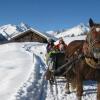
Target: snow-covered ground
[22,68]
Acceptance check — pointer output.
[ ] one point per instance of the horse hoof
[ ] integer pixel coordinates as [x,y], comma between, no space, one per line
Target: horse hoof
[67,92]
[51,82]
[79,98]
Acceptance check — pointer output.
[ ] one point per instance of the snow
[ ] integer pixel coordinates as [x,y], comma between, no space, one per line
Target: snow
[75,31]
[53,33]
[22,68]
[69,39]
[14,69]
[9,29]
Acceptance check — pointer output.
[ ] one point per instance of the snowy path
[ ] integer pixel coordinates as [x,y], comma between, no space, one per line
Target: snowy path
[13,62]
[33,88]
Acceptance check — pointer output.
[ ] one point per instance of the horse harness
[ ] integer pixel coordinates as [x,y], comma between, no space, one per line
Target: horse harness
[69,64]
[92,63]
[88,50]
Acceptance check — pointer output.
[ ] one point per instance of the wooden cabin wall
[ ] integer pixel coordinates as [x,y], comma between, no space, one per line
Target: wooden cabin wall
[29,37]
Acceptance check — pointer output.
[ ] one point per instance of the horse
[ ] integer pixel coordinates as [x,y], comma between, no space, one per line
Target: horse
[88,67]
[74,48]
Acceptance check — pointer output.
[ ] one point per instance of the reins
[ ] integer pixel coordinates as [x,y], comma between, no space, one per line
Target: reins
[68,64]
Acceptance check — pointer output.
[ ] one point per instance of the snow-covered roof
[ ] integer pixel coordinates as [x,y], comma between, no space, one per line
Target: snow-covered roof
[44,35]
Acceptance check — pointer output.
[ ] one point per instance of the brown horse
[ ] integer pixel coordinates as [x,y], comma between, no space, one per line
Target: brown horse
[74,48]
[87,68]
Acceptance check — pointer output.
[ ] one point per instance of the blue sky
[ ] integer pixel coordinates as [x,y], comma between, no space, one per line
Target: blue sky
[47,15]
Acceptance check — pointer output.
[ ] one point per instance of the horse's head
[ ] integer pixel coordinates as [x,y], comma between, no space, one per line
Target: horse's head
[94,39]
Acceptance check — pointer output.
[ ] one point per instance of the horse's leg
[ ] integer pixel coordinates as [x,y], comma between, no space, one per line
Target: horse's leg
[51,79]
[98,90]
[79,89]
[79,85]
[67,90]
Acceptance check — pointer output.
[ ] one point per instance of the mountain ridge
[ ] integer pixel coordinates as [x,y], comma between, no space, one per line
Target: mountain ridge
[9,30]
[74,31]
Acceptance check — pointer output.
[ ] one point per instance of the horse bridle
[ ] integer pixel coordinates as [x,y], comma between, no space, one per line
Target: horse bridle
[91,40]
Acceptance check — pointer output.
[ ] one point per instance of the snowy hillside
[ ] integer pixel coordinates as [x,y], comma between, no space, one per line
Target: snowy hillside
[53,33]
[9,30]
[75,31]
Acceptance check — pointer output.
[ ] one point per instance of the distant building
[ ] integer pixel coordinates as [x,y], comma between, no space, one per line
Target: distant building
[30,35]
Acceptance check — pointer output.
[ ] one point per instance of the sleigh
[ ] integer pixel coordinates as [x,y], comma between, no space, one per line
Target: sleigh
[59,60]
